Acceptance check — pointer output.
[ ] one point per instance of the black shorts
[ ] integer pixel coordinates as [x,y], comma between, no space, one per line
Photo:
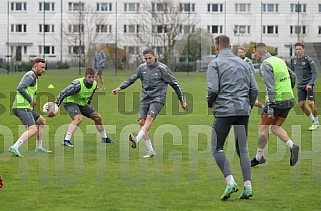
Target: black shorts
[304,94]
[278,112]
[27,117]
[73,109]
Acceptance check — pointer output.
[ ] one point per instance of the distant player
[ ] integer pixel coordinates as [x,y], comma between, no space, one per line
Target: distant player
[241,52]
[306,72]
[98,64]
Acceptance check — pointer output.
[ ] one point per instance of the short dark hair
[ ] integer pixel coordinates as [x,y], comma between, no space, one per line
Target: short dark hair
[149,51]
[90,71]
[37,60]
[260,45]
[241,48]
[223,41]
[299,44]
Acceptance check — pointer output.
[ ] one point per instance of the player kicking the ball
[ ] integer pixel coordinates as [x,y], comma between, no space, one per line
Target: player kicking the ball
[155,77]
[77,98]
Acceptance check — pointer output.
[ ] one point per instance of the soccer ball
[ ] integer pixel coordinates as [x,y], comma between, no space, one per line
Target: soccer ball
[50,109]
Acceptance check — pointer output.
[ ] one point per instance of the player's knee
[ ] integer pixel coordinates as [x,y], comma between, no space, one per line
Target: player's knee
[41,121]
[96,117]
[149,118]
[78,119]
[141,122]
[215,147]
[217,151]
[274,129]
[302,104]
[311,103]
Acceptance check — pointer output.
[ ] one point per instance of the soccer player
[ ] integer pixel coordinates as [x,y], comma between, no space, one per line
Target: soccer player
[307,73]
[279,81]
[241,53]
[155,77]
[231,93]
[98,64]
[77,98]
[23,107]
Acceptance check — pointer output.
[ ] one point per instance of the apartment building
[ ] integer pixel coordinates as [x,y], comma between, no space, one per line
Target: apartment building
[63,30]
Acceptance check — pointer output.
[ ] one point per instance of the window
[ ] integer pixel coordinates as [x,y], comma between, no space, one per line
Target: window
[270,8]
[132,49]
[102,28]
[242,7]
[76,28]
[186,28]
[215,29]
[270,30]
[242,29]
[319,30]
[76,6]
[131,7]
[46,28]
[104,7]
[76,49]
[159,49]
[47,6]
[214,7]
[298,7]
[18,6]
[131,29]
[47,49]
[297,29]
[186,7]
[24,49]
[159,7]
[319,7]
[18,27]
[160,29]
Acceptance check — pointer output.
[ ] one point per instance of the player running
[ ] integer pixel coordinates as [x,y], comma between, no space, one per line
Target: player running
[279,81]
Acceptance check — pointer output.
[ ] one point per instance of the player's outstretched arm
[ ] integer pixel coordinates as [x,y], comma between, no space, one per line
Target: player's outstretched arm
[115,91]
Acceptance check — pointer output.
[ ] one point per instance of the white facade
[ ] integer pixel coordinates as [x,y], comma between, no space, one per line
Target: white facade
[53,32]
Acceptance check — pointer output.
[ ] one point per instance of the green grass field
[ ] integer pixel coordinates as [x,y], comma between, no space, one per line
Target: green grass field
[183,175]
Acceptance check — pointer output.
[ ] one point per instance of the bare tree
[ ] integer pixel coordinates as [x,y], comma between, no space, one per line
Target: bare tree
[83,29]
[165,22]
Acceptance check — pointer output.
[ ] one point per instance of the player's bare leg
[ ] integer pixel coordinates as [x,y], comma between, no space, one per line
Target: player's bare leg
[41,122]
[314,112]
[96,117]
[31,131]
[101,80]
[71,129]
[302,105]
